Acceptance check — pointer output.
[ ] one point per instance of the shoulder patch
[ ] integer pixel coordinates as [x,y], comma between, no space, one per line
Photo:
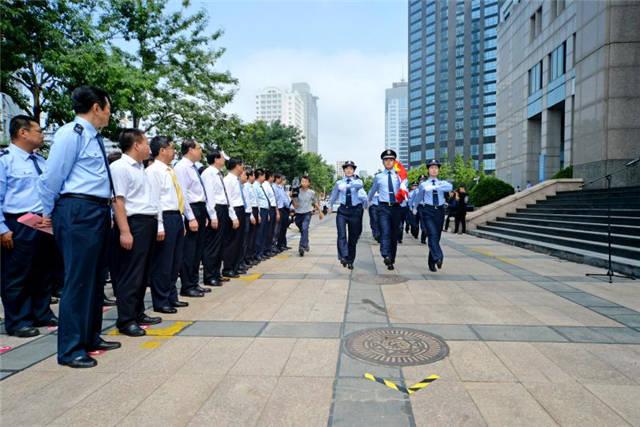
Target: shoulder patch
[78,129]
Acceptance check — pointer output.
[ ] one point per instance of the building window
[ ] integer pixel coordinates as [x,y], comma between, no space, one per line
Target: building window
[489,148]
[489,164]
[415,156]
[557,62]
[535,24]
[535,78]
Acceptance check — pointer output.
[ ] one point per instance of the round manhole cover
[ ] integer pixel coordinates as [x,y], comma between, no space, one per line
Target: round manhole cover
[396,346]
[379,279]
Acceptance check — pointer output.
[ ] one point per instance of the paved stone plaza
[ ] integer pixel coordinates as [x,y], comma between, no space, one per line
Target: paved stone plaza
[531,340]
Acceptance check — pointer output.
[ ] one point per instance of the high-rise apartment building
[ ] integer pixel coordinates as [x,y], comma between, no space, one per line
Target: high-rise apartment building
[396,135]
[569,92]
[452,80]
[297,107]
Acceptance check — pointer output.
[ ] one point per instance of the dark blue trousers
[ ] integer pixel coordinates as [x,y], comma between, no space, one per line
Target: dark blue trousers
[81,228]
[433,219]
[166,261]
[373,221]
[349,224]
[262,232]
[27,276]
[389,220]
[193,249]
[302,221]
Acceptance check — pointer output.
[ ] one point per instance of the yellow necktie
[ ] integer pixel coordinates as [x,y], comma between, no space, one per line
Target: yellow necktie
[176,185]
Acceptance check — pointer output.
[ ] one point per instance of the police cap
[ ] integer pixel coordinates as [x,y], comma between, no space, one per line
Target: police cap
[433,162]
[388,154]
[349,163]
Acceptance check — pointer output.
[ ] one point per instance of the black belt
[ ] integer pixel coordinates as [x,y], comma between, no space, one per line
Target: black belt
[388,203]
[171,212]
[99,200]
[197,204]
[348,207]
[426,205]
[143,216]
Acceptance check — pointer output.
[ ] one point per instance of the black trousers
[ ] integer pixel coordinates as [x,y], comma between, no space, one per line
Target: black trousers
[232,256]
[193,249]
[461,220]
[134,269]
[81,229]
[285,220]
[262,233]
[349,225]
[166,261]
[224,225]
[269,246]
[212,247]
[251,236]
[27,276]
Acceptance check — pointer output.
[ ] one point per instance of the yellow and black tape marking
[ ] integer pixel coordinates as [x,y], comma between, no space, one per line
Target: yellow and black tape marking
[406,390]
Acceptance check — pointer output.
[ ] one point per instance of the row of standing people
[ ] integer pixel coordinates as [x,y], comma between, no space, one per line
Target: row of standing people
[148,226]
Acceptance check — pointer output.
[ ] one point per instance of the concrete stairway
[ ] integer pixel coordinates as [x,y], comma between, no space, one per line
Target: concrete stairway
[573,225]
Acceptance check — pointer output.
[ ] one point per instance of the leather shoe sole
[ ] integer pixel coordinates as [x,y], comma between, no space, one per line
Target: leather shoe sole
[81,362]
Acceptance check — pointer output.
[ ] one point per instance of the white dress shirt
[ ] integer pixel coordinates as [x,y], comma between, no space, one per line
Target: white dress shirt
[216,191]
[250,195]
[234,190]
[190,184]
[132,184]
[163,188]
[270,194]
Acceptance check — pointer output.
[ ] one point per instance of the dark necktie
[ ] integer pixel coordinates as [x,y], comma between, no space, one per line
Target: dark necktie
[348,196]
[224,188]
[390,184]
[436,202]
[265,195]
[100,139]
[34,159]
[201,182]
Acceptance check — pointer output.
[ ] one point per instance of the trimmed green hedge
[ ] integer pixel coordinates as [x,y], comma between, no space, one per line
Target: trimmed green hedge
[488,190]
[564,173]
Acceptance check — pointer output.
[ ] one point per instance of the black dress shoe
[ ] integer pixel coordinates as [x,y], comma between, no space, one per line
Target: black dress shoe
[350,266]
[51,322]
[106,345]
[344,263]
[148,320]
[81,362]
[54,300]
[132,330]
[25,332]
[224,279]
[203,290]
[241,271]
[301,252]
[179,304]
[432,265]
[230,274]
[214,283]
[108,302]
[193,293]
[439,264]
[166,310]
[390,267]
[388,261]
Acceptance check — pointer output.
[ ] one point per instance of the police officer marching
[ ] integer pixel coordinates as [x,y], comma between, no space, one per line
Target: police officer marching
[27,258]
[387,184]
[76,190]
[349,217]
[429,200]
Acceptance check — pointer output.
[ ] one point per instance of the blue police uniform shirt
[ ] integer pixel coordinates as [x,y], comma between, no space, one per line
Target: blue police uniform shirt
[341,187]
[18,180]
[381,186]
[76,164]
[374,200]
[424,195]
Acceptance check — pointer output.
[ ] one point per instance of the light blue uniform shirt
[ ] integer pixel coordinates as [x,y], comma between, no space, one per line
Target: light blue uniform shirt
[381,186]
[263,202]
[424,195]
[282,198]
[340,189]
[374,200]
[76,164]
[18,180]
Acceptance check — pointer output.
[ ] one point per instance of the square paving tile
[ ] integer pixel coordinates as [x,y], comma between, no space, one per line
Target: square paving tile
[517,333]
[301,330]
[212,328]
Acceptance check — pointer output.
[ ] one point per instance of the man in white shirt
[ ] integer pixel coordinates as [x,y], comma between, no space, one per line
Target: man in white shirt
[167,255]
[252,216]
[284,206]
[264,207]
[136,224]
[221,220]
[274,214]
[232,255]
[195,211]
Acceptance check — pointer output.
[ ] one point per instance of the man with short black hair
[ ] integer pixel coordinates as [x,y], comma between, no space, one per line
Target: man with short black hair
[28,255]
[196,218]
[167,254]
[137,214]
[76,189]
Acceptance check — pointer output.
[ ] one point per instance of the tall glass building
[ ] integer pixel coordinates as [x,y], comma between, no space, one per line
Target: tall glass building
[452,80]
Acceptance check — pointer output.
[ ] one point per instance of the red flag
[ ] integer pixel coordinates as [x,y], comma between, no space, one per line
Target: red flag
[403,191]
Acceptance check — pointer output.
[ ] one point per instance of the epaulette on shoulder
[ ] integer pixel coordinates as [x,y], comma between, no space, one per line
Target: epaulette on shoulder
[4,152]
[78,129]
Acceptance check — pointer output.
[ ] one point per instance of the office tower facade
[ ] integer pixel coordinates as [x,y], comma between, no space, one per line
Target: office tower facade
[396,115]
[569,92]
[452,81]
[297,107]
[310,116]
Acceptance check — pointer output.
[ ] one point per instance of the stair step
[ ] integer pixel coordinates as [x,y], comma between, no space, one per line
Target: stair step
[574,225]
[618,250]
[586,235]
[630,266]
[624,213]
